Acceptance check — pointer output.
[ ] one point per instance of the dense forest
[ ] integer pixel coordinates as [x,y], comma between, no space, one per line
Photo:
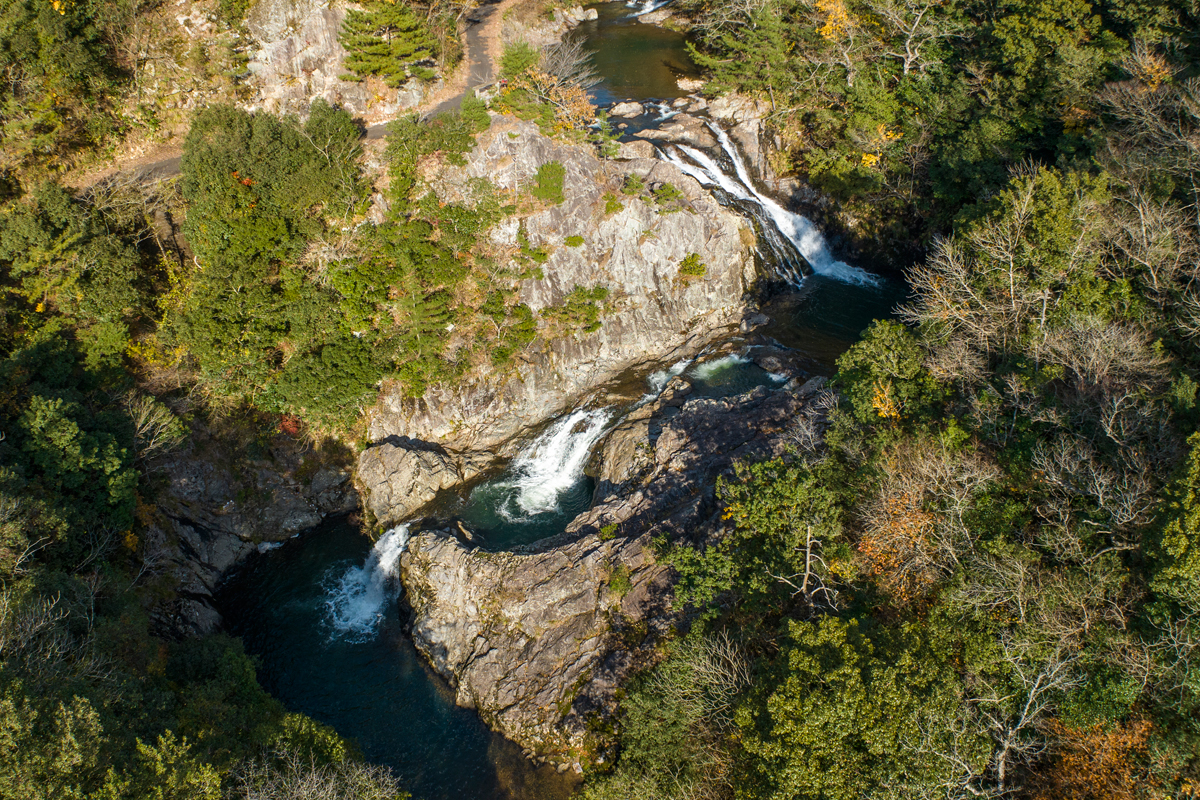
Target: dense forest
[976,574]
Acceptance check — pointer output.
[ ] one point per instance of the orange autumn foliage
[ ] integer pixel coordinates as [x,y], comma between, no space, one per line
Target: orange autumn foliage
[894,549]
[1096,763]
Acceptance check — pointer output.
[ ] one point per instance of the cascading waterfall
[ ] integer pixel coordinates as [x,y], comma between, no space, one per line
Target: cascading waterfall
[665,111]
[786,233]
[356,601]
[708,369]
[645,6]
[553,463]
[659,380]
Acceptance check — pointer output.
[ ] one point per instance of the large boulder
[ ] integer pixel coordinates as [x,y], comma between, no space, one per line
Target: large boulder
[402,476]
[627,109]
[682,128]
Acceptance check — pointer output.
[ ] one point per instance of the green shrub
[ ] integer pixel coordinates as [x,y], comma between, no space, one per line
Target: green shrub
[474,112]
[574,241]
[233,11]
[692,267]
[605,137]
[536,255]
[608,532]
[387,39]
[619,581]
[580,310]
[634,184]
[518,57]
[548,183]
[518,330]
[668,198]
[611,204]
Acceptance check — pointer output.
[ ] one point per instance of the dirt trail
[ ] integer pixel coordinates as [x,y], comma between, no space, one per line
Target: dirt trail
[482,49]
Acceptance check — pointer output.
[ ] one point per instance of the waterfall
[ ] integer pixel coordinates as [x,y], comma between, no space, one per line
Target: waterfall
[659,380]
[665,111]
[553,463]
[786,233]
[356,601]
[708,369]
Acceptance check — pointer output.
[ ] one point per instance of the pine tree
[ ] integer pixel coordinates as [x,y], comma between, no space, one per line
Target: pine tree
[387,39]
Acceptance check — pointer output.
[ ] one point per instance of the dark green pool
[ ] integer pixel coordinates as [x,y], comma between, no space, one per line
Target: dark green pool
[636,61]
[825,316]
[331,645]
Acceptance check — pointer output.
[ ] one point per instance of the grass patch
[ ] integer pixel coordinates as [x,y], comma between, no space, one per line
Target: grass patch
[548,183]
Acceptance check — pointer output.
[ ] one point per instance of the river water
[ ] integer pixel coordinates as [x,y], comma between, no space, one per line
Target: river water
[320,616]
[320,612]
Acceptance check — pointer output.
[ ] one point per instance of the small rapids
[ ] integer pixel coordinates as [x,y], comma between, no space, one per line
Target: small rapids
[645,6]
[787,235]
[659,380]
[356,601]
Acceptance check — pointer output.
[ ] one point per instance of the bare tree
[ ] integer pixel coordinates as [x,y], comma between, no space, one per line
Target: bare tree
[36,642]
[156,429]
[705,677]
[570,63]
[915,25]
[1156,122]
[1153,242]
[915,527]
[290,777]
[1010,704]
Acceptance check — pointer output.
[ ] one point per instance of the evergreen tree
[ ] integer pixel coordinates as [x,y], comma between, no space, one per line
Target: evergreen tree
[387,39]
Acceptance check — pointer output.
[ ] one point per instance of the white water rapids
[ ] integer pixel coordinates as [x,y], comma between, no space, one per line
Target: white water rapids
[553,463]
[799,231]
[356,601]
[645,6]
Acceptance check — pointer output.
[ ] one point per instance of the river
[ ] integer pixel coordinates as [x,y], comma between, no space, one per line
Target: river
[320,613]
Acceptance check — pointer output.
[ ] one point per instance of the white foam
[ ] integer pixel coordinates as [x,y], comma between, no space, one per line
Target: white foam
[553,463]
[645,6]
[659,380]
[357,600]
[797,229]
[665,112]
[708,369]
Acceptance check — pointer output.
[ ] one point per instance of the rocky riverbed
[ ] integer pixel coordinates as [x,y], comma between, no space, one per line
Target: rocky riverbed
[538,640]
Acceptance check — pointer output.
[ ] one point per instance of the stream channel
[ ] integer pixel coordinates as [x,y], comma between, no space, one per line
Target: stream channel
[319,612]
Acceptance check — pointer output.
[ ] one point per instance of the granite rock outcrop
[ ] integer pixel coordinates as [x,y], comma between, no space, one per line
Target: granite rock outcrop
[539,640]
[635,250]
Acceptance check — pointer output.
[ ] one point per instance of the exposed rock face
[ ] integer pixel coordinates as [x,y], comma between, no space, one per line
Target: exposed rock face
[537,640]
[516,633]
[541,32]
[215,518]
[682,128]
[635,252]
[300,59]
[404,476]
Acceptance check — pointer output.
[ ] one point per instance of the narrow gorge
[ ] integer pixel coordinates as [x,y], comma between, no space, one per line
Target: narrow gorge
[517,510]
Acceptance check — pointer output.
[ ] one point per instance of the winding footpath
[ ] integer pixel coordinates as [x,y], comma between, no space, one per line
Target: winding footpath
[480,45]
